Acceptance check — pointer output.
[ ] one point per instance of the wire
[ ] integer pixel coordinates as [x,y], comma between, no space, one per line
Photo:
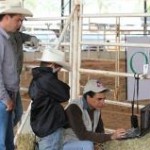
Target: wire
[134,120]
[136,77]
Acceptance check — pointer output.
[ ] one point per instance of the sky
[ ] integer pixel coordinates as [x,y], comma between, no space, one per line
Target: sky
[51,8]
[45,8]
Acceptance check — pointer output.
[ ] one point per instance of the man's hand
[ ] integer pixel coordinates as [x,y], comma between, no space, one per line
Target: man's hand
[118,134]
[34,41]
[10,105]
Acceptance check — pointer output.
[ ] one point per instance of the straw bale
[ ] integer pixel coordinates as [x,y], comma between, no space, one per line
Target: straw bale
[129,144]
[25,142]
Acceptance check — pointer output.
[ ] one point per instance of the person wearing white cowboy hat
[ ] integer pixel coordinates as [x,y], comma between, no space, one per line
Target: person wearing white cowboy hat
[13,11]
[55,57]
[47,92]
[17,39]
[11,16]
[14,7]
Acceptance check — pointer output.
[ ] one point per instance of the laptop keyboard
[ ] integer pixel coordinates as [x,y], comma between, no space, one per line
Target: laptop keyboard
[133,132]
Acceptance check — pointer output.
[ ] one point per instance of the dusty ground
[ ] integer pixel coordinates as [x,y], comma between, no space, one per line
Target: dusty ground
[119,93]
[113,116]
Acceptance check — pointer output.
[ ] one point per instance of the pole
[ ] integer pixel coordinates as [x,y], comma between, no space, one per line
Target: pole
[145,18]
[62,14]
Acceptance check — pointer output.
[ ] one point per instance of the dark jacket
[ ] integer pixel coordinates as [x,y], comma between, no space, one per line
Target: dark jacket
[47,92]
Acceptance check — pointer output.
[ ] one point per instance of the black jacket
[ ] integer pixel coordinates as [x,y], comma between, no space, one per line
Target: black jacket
[47,92]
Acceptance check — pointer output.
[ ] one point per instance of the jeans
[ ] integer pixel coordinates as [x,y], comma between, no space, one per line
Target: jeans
[53,141]
[78,145]
[6,128]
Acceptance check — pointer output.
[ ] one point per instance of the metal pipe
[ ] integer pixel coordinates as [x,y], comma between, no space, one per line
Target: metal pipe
[112,102]
[116,44]
[108,73]
[74,54]
[47,18]
[112,73]
[79,46]
[116,15]
[65,28]
[62,14]
[117,62]
[145,18]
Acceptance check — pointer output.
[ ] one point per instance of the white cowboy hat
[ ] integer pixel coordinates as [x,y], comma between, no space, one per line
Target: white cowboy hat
[14,7]
[55,56]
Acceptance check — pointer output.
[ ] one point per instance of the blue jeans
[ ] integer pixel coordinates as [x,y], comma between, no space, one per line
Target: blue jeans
[53,141]
[6,128]
[78,145]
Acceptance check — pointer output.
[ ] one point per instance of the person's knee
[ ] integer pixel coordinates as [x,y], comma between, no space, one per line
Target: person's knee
[79,145]
[88,145]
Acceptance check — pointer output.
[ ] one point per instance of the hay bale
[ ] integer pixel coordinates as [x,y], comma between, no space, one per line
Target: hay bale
[132,144]
[25,142]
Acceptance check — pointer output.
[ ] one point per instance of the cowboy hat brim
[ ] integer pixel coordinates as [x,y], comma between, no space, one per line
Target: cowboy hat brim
[22,11]
[63,64]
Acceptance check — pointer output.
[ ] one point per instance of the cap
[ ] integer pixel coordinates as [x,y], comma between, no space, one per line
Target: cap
[94,86]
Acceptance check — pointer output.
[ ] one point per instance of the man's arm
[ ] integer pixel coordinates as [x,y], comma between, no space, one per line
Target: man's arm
[27,37]
[50,86]
[56,89]
[4,97]
[74,115]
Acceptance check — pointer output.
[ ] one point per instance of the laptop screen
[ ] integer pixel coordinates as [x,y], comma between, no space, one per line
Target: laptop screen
[145,118]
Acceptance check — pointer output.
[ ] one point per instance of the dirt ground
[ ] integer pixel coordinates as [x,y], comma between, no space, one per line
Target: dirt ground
[119,93]
[113,116]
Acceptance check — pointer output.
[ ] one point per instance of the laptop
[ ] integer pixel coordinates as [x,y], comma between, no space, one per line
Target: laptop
[144,124]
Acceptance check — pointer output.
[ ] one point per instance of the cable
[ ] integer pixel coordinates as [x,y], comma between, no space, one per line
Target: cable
[134,119]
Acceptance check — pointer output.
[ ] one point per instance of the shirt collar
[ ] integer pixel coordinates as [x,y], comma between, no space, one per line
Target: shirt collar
[85,104]
[4,33]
